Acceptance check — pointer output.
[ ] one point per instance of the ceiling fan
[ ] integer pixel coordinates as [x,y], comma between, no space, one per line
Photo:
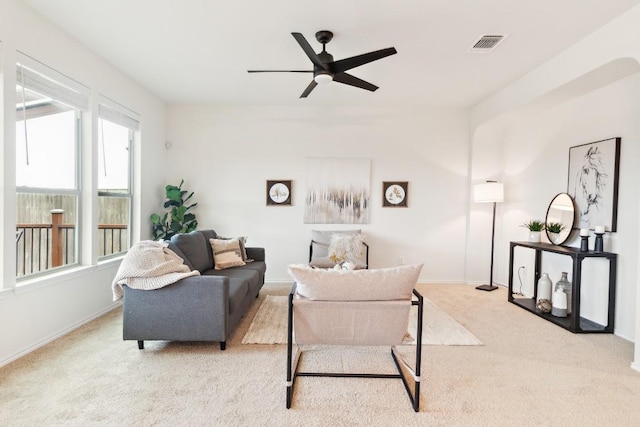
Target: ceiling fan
[325,69]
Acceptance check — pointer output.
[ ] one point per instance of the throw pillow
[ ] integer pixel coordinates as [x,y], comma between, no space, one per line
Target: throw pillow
[345,247]
[226,253]
[322,239]
[243,244]
[394,283]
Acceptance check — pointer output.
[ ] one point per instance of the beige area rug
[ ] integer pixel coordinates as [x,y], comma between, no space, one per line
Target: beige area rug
[269,326]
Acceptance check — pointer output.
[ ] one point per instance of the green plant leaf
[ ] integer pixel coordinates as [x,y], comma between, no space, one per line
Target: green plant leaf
[180,221]
[555,227]
[174,194]
[534,225]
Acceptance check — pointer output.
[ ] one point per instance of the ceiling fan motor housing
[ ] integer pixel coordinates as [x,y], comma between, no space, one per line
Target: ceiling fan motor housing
[320,73]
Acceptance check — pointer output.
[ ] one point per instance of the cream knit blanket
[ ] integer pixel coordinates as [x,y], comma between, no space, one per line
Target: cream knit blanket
[149,265]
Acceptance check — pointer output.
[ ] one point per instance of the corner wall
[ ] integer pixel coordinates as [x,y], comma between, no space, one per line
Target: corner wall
[587,93]
[32,315]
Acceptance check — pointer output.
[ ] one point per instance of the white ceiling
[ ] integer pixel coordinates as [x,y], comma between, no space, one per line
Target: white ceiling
[198,51]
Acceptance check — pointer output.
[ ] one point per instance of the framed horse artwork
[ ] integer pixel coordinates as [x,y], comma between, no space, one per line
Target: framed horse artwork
[593,183]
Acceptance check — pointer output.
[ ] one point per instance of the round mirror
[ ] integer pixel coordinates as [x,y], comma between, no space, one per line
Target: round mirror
[560,218]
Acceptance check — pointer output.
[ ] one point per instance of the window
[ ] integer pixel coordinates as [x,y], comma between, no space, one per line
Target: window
[116,132]
[48,115]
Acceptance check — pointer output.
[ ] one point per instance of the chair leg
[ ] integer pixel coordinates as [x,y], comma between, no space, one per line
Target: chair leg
[140,345]
[223,345]
[414,397]
[292,363]
[289,393]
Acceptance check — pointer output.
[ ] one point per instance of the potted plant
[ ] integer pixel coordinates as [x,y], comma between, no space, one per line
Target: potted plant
[553,230]
[535,228]
[178,219]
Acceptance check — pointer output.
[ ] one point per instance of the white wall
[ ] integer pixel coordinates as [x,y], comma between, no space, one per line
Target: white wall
[587,93]
[33,314]
[225,155]
[540,170]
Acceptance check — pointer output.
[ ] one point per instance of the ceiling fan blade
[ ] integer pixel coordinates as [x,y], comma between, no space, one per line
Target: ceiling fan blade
[279,71]
[350,80]
[304,44]
[356,61]
[309,88]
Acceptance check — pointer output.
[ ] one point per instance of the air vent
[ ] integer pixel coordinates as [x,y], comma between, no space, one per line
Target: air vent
[487,43]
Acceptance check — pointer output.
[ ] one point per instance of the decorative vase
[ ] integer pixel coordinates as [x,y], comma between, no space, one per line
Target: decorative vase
[565,285]
[534,236]
[544,287]
[559,303]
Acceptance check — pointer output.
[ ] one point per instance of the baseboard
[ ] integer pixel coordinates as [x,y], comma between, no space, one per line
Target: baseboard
[57,335]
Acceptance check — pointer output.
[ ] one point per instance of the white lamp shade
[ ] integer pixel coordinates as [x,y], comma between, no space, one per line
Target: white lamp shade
[488,192]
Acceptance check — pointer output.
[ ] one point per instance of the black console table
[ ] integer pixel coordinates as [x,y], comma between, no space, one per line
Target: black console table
[573,322]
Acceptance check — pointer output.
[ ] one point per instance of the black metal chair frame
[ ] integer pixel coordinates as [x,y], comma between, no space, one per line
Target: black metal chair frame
[314,242]
[294,359]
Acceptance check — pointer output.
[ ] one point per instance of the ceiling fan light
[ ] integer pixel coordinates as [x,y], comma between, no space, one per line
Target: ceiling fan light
[323,78]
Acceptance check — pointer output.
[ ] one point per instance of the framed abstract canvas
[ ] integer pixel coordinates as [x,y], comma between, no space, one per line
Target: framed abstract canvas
[337,191]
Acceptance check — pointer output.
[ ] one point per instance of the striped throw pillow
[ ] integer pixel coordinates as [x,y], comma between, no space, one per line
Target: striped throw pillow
[226,253]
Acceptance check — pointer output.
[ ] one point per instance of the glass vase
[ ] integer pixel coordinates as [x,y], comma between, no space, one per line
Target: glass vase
[566,287]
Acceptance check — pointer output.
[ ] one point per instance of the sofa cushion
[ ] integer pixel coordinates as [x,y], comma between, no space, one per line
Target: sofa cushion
[394,283]
[194,246]
[250,276]
[177,251]
[258,266]
[226,253]
[209,234]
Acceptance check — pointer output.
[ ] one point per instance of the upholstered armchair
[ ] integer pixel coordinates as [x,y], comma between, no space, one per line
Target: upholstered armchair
[329,248]
[359,307]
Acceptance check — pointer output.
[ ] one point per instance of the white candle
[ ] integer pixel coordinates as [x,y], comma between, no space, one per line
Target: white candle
[599,229]
[584,232]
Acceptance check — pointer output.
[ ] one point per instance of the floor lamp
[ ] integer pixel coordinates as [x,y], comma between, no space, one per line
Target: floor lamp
[489,192]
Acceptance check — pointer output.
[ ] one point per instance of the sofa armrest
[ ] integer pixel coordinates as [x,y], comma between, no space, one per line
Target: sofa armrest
[256,254]
[195,308]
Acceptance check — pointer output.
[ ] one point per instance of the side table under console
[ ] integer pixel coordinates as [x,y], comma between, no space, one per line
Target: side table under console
[573,322]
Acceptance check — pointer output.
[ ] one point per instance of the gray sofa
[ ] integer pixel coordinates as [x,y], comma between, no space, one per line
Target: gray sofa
[197,308]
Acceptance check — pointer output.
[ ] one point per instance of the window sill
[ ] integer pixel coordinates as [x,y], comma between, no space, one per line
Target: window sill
[108,262]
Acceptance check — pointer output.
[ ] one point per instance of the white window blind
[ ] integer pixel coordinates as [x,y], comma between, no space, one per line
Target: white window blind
[117,116]
[46,81]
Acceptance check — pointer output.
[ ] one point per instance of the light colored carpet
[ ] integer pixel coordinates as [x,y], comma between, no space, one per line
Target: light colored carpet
[529,372]
[269,326]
